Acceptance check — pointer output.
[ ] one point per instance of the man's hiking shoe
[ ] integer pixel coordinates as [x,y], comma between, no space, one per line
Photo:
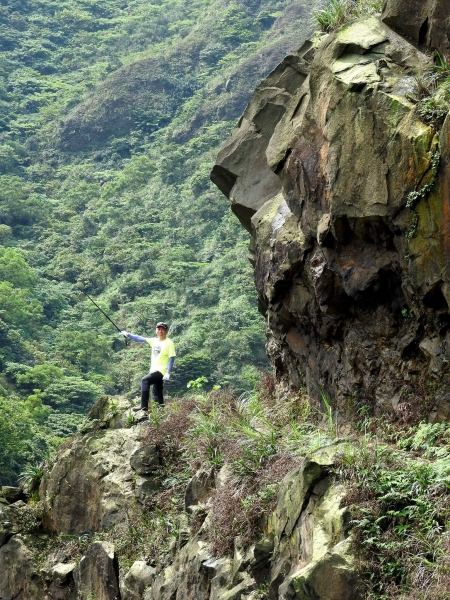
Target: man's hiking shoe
[136,408]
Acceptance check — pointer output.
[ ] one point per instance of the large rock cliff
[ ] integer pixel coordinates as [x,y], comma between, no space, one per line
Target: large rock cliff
[345,191]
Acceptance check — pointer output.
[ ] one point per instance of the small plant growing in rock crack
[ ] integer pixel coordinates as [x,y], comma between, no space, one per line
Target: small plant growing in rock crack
[155,413]
[413,197]
[31,476]
[262,593]
[329,411]
[414,224]
[432,91]
[113,410]
[215,457]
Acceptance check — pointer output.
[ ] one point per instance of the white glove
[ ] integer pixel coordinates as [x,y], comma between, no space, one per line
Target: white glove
[166,376]
[124,333]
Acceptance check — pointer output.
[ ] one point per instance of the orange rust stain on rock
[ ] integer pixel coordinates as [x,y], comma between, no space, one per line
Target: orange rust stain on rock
[296,342]
[412,176]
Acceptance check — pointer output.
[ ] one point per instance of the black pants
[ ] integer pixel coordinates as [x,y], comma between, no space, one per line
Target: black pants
[156,380]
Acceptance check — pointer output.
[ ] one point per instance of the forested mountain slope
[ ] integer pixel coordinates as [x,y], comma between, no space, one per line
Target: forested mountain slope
[111,114]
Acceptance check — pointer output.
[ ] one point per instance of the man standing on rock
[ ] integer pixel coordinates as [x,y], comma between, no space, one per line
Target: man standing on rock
[163,357]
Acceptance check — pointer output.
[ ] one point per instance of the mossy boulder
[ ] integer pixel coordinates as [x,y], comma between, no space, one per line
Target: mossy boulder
[89,486]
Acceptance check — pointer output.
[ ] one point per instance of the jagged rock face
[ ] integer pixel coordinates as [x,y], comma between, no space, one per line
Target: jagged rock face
[303,551]
[97,573]
[138,578]
[19,580]
[12,494]
[352,280]
[83,490]
[427,22]
[311,556]
[87,487]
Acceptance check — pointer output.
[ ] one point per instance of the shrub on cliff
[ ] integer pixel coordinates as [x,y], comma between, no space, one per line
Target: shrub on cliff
[432,91]
[258,438]
[400,508]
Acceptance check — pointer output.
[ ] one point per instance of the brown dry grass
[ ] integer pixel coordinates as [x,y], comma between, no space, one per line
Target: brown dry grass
[216,418]
[172,429]
[238,507]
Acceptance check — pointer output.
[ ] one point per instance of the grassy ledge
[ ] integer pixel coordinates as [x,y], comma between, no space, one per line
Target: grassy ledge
[397,476]
[341,12]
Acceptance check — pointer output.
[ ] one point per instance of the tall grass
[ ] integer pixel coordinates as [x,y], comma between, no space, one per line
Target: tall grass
[339,12]
[432,90]
[258,437]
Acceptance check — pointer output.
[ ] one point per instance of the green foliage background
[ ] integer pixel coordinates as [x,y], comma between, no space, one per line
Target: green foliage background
[111,115]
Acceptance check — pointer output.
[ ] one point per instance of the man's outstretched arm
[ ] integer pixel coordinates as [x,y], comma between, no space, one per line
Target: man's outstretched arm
[135,338]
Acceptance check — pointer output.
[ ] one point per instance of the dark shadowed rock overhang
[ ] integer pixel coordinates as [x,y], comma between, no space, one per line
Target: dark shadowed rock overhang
[426,22]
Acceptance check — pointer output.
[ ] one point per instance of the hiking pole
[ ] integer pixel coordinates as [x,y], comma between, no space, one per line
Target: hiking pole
[104,314]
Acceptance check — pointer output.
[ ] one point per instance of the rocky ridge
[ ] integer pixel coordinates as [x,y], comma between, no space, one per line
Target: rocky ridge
[101,478]
[344,189]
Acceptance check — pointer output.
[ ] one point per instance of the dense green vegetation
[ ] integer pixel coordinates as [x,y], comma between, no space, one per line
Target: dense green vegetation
[111,114]
[398,483]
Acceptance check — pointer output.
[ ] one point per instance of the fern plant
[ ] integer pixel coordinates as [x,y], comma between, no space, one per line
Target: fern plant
[31,476]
